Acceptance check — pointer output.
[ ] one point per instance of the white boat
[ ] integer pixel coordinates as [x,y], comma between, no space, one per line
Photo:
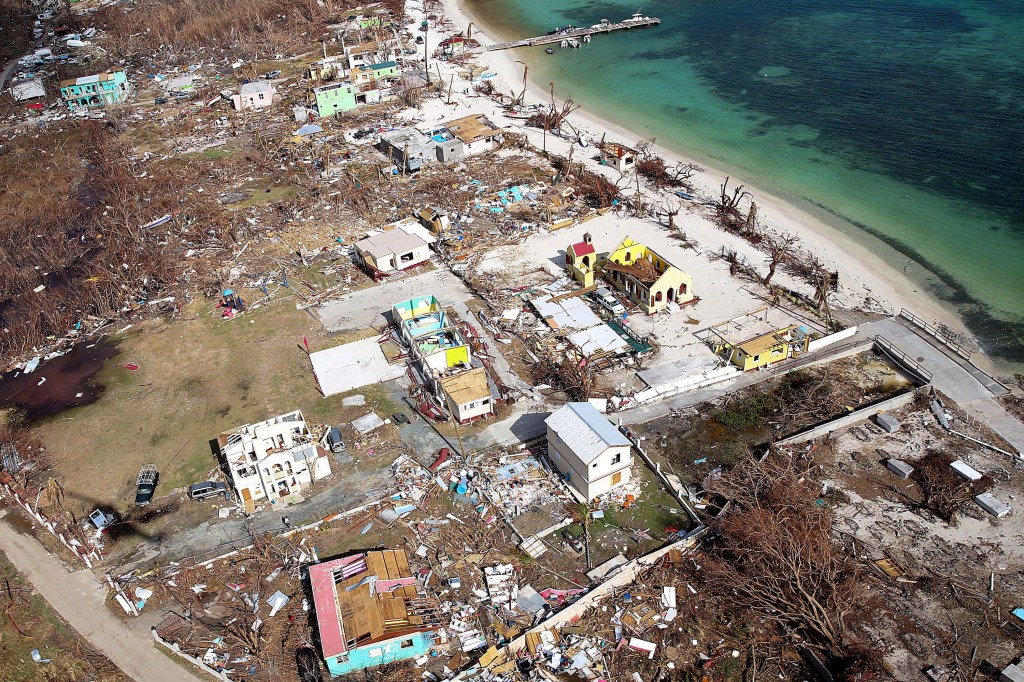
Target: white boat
[587,38]
[565,44]
[637,16]
[574,43]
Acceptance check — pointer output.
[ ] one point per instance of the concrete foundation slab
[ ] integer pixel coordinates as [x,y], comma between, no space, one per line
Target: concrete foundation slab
[352,365]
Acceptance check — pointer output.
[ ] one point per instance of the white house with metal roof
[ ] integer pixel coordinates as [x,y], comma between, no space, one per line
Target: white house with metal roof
[590,452]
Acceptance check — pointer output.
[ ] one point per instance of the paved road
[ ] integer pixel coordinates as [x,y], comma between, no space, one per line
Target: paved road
[79,598]
[221,536]
[367,307]
[970,388]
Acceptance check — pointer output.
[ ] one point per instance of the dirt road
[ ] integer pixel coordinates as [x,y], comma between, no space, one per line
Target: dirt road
[78,597]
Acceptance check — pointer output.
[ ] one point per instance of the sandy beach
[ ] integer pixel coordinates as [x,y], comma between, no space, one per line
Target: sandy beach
[867,281]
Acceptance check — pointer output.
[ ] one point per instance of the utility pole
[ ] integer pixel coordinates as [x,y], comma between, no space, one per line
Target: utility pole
[426,49]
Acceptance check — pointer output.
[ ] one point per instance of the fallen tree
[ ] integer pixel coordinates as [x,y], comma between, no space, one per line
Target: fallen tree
[775,556]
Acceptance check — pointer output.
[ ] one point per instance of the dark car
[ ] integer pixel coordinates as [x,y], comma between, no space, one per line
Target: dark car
[335,441]
[160,100]
[207,489]
[400,418]
[146,484]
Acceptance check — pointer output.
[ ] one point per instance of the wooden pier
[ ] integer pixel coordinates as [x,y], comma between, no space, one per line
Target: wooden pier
[577,33]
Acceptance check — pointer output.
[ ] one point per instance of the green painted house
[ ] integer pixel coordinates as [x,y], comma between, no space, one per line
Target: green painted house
[378,21]
[330,99]
[97,90]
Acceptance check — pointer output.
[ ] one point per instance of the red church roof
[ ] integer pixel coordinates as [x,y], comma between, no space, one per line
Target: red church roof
[582,249]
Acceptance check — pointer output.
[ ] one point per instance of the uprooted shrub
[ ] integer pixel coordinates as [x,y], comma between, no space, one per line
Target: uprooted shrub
[945,491]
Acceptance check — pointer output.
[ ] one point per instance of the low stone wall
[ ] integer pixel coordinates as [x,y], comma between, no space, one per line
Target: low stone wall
[852,418]
[176,650]
[626,575]
[88,556]
[688,383]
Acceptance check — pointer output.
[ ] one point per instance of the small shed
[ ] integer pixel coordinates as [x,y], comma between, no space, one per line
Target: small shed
[618,156]
[392,250]
[255,95]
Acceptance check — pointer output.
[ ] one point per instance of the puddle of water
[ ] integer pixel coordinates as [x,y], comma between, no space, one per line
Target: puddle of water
[69,382]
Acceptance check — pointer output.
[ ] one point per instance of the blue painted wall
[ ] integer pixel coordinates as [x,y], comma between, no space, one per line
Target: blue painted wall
[383,652]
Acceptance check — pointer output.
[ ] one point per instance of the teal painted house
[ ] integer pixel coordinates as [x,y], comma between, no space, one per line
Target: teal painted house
[97,90]
[369,611]
[330,99]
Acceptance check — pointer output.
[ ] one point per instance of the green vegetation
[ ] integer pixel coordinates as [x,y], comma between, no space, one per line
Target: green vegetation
[216,153]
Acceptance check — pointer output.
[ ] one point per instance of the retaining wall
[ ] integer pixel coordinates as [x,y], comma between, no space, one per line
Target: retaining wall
[852,418]
[824,341]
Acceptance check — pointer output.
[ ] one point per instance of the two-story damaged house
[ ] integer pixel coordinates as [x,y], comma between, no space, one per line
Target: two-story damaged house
[592,454]
[369,612]
[648,279]
[98,90]
[273,460]
[443,358]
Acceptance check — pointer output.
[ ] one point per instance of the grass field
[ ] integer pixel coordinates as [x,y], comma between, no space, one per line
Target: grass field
[198,376]
[32,624]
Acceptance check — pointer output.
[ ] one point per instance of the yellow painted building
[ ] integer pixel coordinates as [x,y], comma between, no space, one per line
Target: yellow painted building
[648,279]
[581,261]
[753,340]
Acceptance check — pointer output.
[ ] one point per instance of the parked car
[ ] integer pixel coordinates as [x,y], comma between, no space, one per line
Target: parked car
[399,418]
[160,100]
[269,75]
[207,489]
[146,484]
[607,300]
[335,441]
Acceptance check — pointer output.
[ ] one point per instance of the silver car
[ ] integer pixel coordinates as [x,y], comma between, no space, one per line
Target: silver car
[607,300]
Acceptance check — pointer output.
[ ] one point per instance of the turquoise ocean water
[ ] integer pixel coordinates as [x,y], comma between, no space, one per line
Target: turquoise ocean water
[898,122]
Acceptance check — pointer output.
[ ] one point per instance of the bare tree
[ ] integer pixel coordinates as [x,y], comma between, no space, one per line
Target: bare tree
[670,210]
[779,248]
[729,205]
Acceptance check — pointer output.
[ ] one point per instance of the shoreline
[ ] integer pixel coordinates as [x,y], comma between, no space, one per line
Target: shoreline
[862,268]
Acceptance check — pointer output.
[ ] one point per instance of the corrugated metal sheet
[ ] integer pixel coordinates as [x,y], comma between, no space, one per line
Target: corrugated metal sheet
[597,339]
[585,430]
[571,313]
